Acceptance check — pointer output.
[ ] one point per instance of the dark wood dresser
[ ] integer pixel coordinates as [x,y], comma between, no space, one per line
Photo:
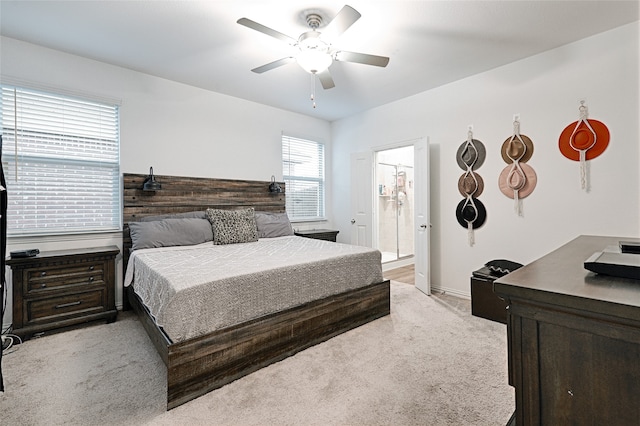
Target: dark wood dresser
[573,340]
[319,234]
[58,289]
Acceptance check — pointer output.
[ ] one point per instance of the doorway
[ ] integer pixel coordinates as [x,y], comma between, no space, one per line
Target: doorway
[394,209]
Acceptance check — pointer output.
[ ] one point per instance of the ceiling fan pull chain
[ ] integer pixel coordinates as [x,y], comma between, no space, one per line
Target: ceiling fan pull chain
[313,89]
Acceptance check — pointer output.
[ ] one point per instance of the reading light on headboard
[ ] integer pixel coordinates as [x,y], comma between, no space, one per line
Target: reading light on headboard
[150,183]
[274,187]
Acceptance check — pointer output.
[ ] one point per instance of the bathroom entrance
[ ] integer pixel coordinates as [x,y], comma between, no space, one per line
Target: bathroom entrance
[395,203]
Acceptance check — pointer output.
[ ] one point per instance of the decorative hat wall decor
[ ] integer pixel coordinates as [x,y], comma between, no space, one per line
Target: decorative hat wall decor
[517,180]
[584,140]
[470,212]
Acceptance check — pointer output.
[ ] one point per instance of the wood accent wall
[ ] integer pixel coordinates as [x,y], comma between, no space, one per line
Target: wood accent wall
[185,194]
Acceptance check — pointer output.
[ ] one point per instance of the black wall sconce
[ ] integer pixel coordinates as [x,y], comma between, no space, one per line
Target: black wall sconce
[150,183]
[274,188]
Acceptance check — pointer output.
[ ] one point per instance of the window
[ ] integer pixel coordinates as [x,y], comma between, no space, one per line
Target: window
[303,170]
[61,158]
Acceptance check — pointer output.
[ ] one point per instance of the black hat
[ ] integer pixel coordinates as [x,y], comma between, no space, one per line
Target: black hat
[467,212]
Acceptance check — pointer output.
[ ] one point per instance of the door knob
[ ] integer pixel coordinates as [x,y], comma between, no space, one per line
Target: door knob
[353,221]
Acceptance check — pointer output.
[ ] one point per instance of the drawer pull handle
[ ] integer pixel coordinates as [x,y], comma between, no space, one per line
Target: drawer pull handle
[66,305]
[43,273]
[92,268]
[91,279]
[43,285]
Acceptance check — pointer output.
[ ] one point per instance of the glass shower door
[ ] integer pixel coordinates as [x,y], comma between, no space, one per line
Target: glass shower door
[395,203]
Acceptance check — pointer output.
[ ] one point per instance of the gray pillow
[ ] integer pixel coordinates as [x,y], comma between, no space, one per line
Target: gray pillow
[272,225]
[233,226]
[197,214]
[170,232]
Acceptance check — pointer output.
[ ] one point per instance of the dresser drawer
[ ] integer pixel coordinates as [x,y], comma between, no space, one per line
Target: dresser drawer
[66,305]
[50,278]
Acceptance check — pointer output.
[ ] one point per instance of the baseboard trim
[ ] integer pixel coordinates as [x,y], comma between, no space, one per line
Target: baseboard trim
[397,264]
[451,291]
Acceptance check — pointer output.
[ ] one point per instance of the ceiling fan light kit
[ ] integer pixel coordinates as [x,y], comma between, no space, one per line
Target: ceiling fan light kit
[316,53]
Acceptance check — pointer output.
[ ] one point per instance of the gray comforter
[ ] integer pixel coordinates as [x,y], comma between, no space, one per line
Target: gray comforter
[193,290]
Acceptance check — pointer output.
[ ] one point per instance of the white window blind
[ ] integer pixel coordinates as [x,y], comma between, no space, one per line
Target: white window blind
[303,173]
[61,158]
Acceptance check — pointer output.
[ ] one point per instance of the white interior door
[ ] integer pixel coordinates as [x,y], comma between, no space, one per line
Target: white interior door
[421,215]
[361,198]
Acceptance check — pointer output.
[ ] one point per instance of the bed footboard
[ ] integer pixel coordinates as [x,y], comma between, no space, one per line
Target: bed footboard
[198,366]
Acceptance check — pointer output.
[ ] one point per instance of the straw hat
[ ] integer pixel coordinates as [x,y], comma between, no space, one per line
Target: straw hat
[467,185]
[526,189]
[467,156]
[583,138]
[515,149]
[466,212]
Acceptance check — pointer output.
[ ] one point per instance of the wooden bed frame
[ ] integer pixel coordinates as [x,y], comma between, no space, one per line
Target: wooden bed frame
[200,365]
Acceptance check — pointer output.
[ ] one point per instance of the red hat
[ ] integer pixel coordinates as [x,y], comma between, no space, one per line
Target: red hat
[575,138]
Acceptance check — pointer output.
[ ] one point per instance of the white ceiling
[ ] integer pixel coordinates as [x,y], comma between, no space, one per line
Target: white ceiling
[199,43]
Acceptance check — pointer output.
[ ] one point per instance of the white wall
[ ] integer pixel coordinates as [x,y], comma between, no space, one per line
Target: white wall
[195,132]
[177,129]
[545,90]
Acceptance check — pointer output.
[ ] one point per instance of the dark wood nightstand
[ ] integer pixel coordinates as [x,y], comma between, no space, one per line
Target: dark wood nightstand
[318,234]
[485,303]
[63,288]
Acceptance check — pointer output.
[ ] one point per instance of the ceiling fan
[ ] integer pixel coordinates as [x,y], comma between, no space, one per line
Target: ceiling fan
[316,53]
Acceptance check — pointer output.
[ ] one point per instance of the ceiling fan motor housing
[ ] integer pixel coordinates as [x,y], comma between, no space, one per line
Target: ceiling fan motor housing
[314,20]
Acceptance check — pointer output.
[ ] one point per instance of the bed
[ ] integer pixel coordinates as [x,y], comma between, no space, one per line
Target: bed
[328,298]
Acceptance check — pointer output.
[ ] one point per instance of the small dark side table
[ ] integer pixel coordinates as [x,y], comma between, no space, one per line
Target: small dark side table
[318,234]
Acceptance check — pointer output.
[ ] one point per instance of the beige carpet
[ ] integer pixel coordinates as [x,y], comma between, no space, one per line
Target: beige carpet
[429,363]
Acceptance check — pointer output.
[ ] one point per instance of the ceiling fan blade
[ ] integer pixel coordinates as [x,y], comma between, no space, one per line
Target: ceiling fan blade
[362,58]
[274,64]
[326,80]
[341,23]
[266,30]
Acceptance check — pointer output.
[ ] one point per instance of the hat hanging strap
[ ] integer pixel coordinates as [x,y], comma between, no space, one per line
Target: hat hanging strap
[470,172]
[516,179]
[583,152]
[469,201]
[470,234]
[469,145]
[516,138]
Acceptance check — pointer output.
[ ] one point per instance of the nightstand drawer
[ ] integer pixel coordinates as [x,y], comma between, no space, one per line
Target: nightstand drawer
[50,278]
[66,305]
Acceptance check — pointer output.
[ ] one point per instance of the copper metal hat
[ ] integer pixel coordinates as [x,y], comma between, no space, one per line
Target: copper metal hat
[529,184]
[467,212]
[467,185]
[514,149]
[466,155]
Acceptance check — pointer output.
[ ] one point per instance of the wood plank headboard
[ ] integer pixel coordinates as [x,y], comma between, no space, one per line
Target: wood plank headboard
[185,194]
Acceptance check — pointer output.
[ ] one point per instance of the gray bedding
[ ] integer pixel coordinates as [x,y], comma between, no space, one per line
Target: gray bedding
[193,290]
